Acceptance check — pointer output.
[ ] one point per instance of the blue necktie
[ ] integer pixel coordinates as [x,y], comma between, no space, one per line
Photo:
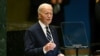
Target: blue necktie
[48,34]
[50,53]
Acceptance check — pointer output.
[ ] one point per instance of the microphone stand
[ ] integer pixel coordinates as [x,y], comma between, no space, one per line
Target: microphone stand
[77,51]
[77,46]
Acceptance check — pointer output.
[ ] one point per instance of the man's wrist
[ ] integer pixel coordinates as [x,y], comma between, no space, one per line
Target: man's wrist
[44,50]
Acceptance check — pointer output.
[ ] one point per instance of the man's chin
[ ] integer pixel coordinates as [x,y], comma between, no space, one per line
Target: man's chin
[48,22]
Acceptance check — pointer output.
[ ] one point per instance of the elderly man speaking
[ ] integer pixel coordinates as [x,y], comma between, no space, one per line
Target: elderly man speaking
[41,38]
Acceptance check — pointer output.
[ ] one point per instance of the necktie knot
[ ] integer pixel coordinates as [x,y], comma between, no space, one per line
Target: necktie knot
[47,27]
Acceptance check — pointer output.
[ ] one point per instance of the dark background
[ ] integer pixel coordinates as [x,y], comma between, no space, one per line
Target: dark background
[15,16]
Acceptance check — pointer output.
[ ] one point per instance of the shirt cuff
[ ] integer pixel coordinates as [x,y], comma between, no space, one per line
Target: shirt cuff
[44,51]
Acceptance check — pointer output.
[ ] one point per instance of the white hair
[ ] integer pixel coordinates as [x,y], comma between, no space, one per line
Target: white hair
[42,6]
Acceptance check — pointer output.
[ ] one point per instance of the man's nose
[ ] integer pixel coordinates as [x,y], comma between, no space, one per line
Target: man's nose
[49,15]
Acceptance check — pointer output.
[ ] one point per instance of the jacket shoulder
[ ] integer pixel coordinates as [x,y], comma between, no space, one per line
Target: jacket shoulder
[33,27]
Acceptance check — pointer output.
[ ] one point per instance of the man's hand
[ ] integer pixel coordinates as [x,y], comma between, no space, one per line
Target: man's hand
[49,46]
[61,54]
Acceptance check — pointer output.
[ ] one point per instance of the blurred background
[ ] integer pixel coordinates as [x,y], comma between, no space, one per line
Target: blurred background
[18,15]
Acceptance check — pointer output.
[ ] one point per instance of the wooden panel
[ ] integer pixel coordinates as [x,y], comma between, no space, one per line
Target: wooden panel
[17,11]
[17,15]
[73,52]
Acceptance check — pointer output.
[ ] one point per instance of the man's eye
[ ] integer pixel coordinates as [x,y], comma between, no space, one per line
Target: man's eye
[46,13]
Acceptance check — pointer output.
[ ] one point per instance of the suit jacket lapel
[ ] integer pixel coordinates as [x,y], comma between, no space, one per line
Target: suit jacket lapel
[41,33]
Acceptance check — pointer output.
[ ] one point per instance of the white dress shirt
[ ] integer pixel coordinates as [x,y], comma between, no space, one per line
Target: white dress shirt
[44,30]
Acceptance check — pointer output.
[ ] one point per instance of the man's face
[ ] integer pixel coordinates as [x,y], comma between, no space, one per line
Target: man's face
[46,15]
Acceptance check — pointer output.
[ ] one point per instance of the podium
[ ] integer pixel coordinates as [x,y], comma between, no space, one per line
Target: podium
[75,38]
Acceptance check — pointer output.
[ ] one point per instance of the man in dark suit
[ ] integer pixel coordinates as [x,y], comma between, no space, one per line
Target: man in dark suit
[40,41]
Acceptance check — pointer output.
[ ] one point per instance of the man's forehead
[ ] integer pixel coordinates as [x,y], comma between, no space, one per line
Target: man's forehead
[44,9]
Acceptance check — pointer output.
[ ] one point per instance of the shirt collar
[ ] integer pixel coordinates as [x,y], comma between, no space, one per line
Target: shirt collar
[41,24]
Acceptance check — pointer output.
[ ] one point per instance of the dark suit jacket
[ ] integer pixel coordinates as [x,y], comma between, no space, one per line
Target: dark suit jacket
[35,39]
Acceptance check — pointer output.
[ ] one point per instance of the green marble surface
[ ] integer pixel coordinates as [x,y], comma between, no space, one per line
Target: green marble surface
[2,27]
